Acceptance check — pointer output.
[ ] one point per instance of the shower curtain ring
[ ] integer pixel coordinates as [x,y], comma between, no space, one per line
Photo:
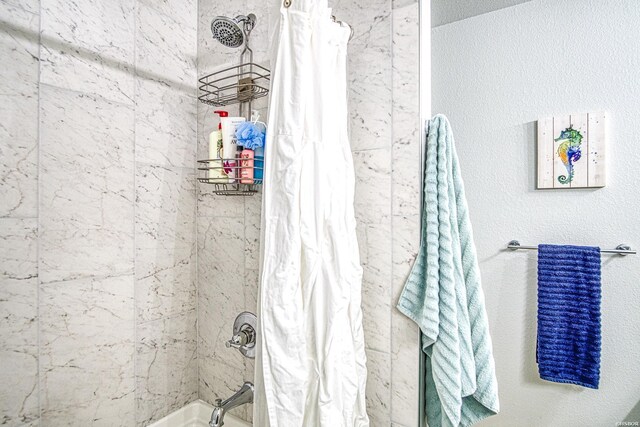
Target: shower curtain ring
[287,3]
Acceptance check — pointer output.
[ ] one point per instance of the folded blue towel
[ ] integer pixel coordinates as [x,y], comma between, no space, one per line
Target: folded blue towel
[568,348]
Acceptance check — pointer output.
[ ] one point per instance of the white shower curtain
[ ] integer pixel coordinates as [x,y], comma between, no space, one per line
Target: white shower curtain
[310,364]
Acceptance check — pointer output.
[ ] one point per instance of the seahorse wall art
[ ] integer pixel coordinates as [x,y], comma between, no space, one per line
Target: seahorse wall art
[571,151]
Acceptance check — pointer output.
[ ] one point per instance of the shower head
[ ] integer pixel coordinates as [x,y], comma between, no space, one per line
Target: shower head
[233,32]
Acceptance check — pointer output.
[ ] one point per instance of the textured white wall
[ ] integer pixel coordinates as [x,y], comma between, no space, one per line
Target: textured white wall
[494,75]
[447,11]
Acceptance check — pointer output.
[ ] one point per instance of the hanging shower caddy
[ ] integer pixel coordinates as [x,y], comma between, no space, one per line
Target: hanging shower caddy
[239,84]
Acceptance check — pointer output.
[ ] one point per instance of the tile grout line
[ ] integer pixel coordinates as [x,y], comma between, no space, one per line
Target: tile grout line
[165,317]
[90,93]
[135,204]
[38,232]
[392,198]
[195,222]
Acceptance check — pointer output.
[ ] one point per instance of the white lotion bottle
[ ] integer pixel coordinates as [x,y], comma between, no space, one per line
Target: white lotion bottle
[230,145]
[216,175]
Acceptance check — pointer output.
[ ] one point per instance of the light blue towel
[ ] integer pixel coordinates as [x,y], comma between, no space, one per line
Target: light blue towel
[444,297]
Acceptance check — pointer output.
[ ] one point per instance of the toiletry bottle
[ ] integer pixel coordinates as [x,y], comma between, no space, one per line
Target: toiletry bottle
[259,163]
[230,144]
[246,162]
[239,150]
[215,152]
[257,157]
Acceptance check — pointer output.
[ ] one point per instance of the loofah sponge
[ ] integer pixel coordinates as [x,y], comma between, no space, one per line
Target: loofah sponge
[250,135]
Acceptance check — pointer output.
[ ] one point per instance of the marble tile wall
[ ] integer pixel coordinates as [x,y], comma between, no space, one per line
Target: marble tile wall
[97,221]
[228,227]
[405,196]
[19,46]
[385,118]
[384,113]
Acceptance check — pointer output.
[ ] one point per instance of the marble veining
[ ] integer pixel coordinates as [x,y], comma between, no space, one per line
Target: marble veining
[252,219]
[165,50]
[405,336]
[370,87]
[18,321]
[373,185]
[397,4]
[251,287]
[86,357]
[86,186]
[378,387]
[166,366]
[165,282]
[19,112]
[221,288]
[219,381]
[89,47]
[376,298]
[31,6]
[184,12]
[222,294]
[165,125]
[405,112]
[406,190]
[165,207]
[81,125]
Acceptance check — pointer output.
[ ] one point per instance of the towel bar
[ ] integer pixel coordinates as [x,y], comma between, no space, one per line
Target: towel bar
[621,249]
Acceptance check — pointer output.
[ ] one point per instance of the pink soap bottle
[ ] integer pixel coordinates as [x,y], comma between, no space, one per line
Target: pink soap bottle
[246,166]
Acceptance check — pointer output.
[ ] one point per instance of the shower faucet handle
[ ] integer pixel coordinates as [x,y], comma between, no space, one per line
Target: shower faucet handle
[242,338]
[232,343]
[244,334]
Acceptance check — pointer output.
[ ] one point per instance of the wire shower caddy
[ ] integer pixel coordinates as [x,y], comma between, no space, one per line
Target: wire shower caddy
[240,84]
[214,174]
[233,85]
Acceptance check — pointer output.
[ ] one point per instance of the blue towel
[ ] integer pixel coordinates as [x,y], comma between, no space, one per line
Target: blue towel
[568,348]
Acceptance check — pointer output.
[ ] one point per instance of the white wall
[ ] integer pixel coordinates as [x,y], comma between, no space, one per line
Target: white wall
[447,11]
[494,75]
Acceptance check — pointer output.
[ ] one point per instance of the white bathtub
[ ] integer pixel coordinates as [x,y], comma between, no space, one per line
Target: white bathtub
[197,414]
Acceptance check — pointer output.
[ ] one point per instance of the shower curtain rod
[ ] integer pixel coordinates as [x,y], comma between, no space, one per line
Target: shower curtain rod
[621,249]
[287,3]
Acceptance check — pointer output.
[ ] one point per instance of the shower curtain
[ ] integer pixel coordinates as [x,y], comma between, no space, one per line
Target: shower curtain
[310,362]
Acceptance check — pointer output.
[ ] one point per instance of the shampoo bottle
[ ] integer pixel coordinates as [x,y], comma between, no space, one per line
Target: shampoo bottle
[230,145]
[216,153]
[246,163]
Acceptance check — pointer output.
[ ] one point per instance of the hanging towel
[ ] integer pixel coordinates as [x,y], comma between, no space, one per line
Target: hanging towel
[568,348]
[444,297]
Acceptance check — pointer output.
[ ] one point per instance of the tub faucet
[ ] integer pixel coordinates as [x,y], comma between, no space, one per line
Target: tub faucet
[242,396]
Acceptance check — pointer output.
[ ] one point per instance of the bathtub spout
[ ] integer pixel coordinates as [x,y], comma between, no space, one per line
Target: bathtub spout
[242,396]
